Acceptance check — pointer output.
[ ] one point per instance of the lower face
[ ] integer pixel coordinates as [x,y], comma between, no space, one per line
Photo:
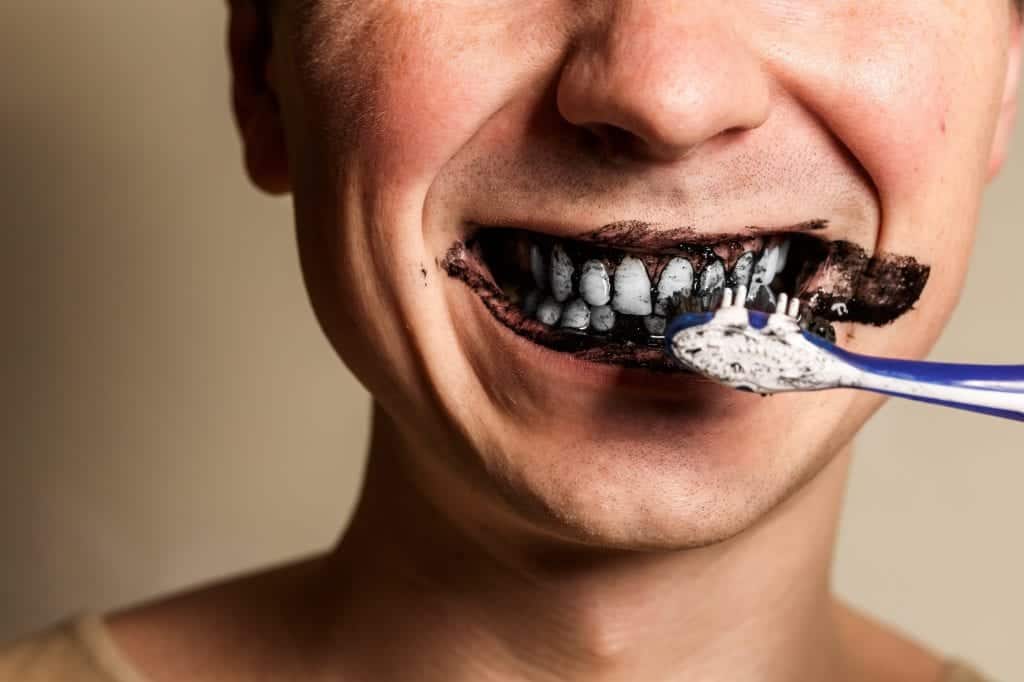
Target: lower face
[499,283]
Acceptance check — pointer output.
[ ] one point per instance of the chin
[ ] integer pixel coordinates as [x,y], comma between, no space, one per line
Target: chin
[662,483]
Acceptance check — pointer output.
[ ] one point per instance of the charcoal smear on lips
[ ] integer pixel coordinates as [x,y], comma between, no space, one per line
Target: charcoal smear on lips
[463,262]
[852,286]
[611,304]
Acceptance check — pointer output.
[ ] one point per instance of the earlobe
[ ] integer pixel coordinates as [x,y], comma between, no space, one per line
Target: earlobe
[1008,108]
[254,98]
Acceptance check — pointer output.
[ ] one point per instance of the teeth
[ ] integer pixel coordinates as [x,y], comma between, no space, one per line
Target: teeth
[741,272]
[561,274]
[765,270]
[676,282]
[632,288]
[539,267]
[761,299]
[783,256]
[549,311]
[576,315]
[655,325]
[595,286]
[712,281]
[602,318]
[606,292]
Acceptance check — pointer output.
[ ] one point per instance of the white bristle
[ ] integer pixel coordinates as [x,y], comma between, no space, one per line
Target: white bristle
[741,295]
[780,305]
[794,308]
[727,298]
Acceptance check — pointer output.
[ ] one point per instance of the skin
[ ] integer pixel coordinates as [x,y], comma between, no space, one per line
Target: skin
[527,515]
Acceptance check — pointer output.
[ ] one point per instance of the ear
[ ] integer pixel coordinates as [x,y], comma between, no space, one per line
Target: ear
[1008,108]
[255,102]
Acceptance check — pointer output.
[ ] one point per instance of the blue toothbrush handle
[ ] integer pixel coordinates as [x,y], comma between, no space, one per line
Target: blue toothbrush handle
[996,390]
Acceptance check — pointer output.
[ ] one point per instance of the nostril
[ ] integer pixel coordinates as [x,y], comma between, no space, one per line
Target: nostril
[611,141]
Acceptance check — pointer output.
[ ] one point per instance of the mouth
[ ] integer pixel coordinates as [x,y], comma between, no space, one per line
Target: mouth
[608,295]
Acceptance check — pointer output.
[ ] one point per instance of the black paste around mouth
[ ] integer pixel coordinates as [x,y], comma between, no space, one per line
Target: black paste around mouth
[639,234]
[859,287]
[838,282]
[464,265]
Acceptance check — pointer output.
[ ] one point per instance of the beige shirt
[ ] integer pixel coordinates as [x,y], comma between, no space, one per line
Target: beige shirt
[81,650]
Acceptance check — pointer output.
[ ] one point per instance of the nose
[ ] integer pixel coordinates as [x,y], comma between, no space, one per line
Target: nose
[658,78]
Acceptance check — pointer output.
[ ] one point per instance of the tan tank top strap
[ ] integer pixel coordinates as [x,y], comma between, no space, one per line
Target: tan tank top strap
[90,630]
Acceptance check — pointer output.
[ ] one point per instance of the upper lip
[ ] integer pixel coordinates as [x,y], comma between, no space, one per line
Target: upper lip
[650,236]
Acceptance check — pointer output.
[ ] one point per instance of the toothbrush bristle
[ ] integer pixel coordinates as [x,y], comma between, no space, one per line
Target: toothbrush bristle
[727,298]
[794,308]
[782,303]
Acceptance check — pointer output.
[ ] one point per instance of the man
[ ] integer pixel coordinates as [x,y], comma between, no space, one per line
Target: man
[498,205]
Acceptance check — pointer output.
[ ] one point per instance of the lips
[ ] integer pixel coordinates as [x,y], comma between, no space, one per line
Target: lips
[606,297]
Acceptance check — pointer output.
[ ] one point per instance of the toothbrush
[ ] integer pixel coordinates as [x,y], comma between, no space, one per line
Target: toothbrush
[771,353]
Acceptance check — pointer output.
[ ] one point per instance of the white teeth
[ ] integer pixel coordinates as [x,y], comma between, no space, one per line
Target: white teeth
[531,302]
[632,288]
[655,325]
[712,278]
[602,318]
[761,299]
[676,278]
[742,270]
[595,286]
[561,274]
[783,256]
[769,264]
[549,311]
[711,282]
[538,267]
[576,315]
[764,271]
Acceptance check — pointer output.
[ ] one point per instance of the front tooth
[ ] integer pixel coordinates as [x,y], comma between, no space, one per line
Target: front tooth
[538,267]
[602,318]
[765,270]
[742,270]
[576,315]
[561,274]
[676,282]
[783,256]
[595,285]
[549,311]
[632,288]
[712,282]
[655,325]
[761,299]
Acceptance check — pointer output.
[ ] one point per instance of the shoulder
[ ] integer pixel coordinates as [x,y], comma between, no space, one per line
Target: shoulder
[957,671]
[879,652]
[69,652]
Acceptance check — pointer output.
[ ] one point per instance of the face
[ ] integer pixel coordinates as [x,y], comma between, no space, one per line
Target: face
[498,202]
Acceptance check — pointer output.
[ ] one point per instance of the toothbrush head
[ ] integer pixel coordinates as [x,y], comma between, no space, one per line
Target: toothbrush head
[755,351]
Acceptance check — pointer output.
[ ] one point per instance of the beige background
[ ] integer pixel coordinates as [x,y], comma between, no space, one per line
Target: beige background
[171,413]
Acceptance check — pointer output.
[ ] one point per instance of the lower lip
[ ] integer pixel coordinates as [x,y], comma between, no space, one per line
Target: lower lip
[568,368]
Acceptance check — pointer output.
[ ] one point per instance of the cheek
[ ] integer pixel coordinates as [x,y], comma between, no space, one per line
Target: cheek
[444,78]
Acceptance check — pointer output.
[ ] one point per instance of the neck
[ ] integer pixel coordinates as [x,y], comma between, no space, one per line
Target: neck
[420,590]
